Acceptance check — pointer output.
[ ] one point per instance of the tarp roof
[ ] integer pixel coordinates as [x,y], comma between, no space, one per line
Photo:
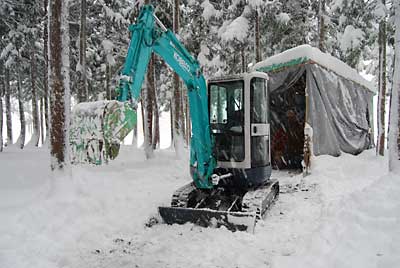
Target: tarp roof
[306,53]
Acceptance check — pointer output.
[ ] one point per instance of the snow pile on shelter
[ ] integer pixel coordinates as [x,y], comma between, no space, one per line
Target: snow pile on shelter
[307,54]
[329,98]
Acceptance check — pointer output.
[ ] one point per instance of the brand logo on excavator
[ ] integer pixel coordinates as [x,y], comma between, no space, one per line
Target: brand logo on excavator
[181,62]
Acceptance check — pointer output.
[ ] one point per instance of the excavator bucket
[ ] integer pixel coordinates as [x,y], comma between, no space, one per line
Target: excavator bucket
[98,128]
[233,221]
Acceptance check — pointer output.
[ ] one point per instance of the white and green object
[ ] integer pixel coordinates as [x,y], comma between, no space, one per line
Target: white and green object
[98,128]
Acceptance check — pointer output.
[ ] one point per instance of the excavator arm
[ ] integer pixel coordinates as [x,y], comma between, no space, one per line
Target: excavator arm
[150,35]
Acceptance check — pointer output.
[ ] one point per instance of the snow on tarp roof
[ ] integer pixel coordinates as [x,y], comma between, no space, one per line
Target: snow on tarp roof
[305,53]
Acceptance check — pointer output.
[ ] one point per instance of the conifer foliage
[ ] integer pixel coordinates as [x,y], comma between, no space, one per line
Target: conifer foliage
[44,63]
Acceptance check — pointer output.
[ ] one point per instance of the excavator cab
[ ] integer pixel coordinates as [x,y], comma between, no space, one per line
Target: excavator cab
[238,109]
[239,123]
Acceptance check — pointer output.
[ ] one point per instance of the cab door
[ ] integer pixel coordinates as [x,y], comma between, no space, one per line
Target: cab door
[226,110]
[259,123]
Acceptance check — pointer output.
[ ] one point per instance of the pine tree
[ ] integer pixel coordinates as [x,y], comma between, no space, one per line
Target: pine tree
[21,138]
[20,57]
[58,82]
[321,24]
[156,112]
[394,132]
[45,69]
[5,8]
[177,100]
[8,107]
[32,15]
[108,41]
[82,85]
[156,124]
[2,89]
[35,112]
[352,26]
[382,86]
[42,124]
[149,106]
[257,47]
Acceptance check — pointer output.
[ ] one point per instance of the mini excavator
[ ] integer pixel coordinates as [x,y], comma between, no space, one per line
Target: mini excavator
[230,146]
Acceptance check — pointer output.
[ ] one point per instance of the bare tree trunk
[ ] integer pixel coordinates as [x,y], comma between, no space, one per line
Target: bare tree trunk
[184,117]
[382,87]
[8,107]
[171,117]
[1,120]
[108,69]
[46,70]
[41,115]
[156,119]
[134,136]
[156,136]
[135,127]
[82,87]
[394,123]
[257,37]
[177,126]
[183,113]
[57,77]
[146,108]
[108,82]
[148,138]
[188,122]
[2,89]
[243,56]
[142,105]
[177,109]
[35,113]
[21,139]
[321,25]
[152,123]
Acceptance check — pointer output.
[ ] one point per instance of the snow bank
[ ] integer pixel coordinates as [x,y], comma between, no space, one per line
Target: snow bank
[53,223]
[306,53]
[358,224]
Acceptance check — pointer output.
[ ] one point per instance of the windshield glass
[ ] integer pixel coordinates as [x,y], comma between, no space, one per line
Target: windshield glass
[227,119]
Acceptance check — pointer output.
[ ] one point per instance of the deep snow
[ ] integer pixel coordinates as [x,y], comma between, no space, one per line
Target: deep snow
[346,214]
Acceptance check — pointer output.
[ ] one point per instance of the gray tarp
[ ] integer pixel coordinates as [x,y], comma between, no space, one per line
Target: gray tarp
[339,109]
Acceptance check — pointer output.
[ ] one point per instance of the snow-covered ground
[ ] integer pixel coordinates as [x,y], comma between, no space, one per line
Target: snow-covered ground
[346,214]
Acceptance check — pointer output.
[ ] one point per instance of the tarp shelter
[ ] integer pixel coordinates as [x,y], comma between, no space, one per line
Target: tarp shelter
[318,104]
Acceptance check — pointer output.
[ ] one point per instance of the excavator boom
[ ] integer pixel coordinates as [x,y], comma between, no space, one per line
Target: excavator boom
[150,35]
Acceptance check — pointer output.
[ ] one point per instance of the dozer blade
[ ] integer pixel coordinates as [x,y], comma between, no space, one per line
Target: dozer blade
[233,221]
